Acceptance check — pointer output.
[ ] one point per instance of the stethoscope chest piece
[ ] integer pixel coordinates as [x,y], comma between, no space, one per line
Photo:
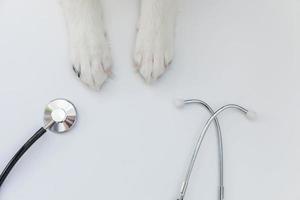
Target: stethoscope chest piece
[61,114]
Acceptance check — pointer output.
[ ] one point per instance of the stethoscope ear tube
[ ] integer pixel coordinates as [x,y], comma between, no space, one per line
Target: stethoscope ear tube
[20,153]
[213,118]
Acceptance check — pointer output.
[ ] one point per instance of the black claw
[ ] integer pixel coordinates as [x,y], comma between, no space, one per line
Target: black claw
[76,71]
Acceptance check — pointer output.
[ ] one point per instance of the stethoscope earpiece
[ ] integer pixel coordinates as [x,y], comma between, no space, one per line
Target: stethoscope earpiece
[251,115]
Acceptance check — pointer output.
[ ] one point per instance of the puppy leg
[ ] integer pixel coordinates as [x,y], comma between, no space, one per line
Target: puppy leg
[155,37]
[90,51]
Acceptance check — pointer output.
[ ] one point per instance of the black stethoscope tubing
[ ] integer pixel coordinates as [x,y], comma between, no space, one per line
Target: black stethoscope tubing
[20,153]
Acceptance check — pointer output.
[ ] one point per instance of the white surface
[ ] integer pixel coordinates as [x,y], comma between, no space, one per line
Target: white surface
[131,142]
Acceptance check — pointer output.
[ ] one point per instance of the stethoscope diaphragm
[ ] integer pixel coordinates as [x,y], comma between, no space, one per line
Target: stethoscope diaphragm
[61,114]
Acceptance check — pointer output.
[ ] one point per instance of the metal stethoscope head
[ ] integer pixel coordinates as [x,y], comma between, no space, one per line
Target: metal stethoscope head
[60,116]
[214,118]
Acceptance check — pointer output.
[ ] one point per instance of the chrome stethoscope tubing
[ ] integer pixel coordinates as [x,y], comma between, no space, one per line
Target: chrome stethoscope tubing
[214,119]
[220,149]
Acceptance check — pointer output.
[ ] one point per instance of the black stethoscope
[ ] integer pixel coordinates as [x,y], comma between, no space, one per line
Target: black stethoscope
[60,116]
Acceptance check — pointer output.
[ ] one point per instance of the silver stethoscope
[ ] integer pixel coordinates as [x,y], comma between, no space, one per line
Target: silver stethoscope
[60,116]
[214,118]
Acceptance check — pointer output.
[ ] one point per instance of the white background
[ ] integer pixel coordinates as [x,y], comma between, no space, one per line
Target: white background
[130,142]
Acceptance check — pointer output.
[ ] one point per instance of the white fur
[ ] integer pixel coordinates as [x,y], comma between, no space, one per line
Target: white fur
[155,37]
[90,52]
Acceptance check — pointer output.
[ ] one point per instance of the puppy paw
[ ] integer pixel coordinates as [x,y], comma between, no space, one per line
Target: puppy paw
[153,52]
[91,64]
[89,48]
[155,38]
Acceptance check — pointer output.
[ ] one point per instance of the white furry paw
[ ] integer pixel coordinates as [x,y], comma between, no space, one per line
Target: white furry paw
[91,64]
[89,48]
[154,50]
